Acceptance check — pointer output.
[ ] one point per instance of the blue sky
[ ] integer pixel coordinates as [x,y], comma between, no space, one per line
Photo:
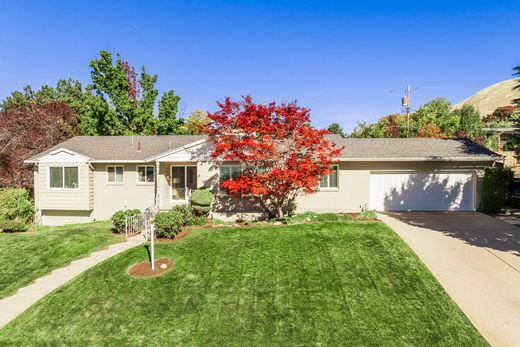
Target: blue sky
[347,61]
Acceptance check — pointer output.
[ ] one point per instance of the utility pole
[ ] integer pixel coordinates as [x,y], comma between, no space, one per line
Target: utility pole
[406,103]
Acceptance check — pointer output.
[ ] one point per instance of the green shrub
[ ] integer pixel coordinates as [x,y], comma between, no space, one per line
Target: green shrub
[201,210]
[13,225]
[197,220]
[168,224]
[496,189]
[16,204]
[201,200]
[119,219]
[368,215]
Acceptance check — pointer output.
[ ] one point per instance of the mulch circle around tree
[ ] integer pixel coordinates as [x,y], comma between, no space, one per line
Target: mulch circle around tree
[143,270]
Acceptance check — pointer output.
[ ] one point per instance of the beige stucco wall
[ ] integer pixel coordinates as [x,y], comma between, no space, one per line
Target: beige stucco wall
[353,193]
[112,197]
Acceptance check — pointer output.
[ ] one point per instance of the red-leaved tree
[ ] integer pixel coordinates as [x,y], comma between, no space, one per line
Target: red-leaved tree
[281,154]
[28,130]
[134,89]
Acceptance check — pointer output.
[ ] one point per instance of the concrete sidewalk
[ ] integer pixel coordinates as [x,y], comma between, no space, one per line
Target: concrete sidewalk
[476,258]
[14,305]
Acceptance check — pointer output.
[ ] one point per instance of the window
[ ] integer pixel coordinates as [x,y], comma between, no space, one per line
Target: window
[145,174]
[330,180]
[228,172]
[64,177]
[115,174]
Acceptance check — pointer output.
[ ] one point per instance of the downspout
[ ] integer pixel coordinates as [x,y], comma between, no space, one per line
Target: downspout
[157,197]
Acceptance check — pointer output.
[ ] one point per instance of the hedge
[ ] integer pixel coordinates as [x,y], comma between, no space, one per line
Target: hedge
[496,188]
[119,219]
[16,209]
[16,204]
[170,223]
[201,200]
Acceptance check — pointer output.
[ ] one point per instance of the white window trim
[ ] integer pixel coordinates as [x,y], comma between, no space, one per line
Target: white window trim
[186,198]
[63,171]
[137,175]
[220,190]
[330,189]
[227,165]
[115,183]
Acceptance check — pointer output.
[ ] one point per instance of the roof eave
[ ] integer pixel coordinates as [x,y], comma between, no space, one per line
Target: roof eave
[436,158]
[175,150]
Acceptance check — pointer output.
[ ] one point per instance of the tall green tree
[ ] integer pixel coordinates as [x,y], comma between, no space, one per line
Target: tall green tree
[516,73]
[117,102]
[436,113]
[167,121]
[69,91]
[470,121]
[364,129]
[335,128]
[114,81]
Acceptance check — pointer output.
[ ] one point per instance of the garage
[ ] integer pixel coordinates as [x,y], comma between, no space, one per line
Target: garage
[422,191]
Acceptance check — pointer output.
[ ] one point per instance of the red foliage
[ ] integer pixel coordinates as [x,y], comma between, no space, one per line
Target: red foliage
[391,125]
[282,155]
[26,131]
[429,130]
[502,113]
[134,90]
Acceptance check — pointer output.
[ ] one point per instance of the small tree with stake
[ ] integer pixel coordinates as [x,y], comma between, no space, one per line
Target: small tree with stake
[281,154]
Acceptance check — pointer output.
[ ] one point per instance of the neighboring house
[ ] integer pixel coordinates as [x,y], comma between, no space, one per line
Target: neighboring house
[89,178]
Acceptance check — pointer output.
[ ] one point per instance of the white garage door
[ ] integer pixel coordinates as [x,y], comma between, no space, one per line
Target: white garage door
[421,191]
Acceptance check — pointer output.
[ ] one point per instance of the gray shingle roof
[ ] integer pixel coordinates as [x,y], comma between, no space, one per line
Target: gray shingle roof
[120,147]
[411,148]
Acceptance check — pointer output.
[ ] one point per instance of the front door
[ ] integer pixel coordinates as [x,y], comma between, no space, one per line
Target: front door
[183,181]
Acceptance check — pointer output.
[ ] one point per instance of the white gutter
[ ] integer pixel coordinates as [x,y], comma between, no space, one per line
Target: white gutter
[486,158]
[118,161]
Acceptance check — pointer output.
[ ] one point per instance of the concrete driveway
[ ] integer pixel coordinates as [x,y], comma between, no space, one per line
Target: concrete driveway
[476,258]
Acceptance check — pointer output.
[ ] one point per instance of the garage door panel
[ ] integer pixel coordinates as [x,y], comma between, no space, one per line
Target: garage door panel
[421,191]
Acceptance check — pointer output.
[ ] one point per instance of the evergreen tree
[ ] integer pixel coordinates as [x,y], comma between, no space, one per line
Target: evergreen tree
[167,122]
[335,128]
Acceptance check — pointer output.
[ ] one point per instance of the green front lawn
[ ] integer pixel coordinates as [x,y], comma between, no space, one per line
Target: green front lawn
[26,256]
[320,284]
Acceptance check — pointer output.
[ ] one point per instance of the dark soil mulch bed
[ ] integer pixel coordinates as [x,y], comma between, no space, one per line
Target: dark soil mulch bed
[143,269]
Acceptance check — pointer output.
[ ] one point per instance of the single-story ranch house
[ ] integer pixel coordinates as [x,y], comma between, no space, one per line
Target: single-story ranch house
[89,178]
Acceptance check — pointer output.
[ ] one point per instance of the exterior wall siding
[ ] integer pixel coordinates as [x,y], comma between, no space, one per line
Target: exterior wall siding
[63,199]
[112,197]
[91,187]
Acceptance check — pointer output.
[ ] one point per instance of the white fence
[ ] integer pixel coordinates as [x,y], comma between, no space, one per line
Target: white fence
[141,223]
